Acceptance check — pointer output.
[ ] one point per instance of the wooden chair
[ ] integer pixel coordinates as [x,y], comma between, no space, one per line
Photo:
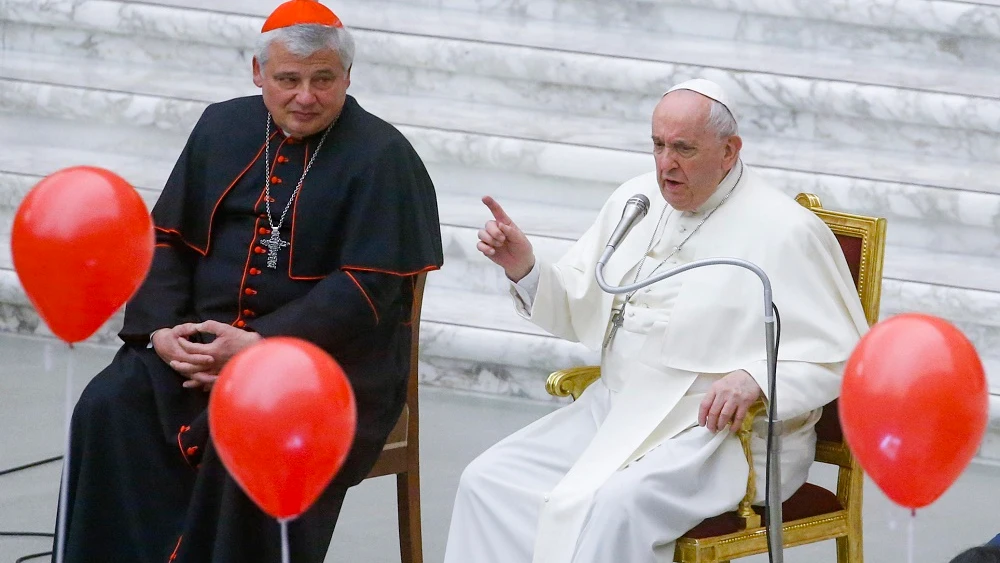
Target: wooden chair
[401,454]
[813,513]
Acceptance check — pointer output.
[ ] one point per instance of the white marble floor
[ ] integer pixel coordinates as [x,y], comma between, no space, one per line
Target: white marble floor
[455,428]
[881,107]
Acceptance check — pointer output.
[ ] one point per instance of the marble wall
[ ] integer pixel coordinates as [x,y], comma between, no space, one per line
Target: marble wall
[881,107]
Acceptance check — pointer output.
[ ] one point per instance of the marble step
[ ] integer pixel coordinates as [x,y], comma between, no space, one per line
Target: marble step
[957,200]
[860,87]
[951,218]
[965,289]
[914,281]
[547,206]
[961,18]
[455,24]
[485,348]
[37,79]
[556,222]
[563,218]
[73,97]
[126,108]
[941,31]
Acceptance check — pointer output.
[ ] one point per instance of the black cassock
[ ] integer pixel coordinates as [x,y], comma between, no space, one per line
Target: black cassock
[145,484]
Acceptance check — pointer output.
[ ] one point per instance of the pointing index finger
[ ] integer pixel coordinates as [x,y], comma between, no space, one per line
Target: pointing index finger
[498,213]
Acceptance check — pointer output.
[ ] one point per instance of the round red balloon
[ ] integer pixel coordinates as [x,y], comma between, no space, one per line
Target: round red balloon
[82,243]
[914,406]
[282,418]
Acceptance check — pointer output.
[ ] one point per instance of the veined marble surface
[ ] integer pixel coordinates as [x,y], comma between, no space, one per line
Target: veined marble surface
[790,107]
[191,22]
[550,116]
[776,25]
[462,164]
[954,17]
[960,287]
[461,356]
[419,115]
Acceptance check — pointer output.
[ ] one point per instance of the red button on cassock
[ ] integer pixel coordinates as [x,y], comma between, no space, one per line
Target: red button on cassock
[240,324]
[259,250]
[249,291]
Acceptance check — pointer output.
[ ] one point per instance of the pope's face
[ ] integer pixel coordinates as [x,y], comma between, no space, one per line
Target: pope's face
[303,94]
[691,159]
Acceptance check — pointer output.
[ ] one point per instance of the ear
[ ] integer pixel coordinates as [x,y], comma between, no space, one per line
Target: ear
[258,75]
[732,151]
[348,77]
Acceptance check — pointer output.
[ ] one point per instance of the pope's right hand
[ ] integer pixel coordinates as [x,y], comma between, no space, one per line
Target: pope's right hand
[503,243]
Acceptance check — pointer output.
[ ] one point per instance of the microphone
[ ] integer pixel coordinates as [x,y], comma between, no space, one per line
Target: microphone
[635,209]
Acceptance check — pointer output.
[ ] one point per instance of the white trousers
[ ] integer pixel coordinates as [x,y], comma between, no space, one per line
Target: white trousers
[636,515]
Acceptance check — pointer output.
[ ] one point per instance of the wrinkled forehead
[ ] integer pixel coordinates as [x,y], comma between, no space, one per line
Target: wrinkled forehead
[681,113]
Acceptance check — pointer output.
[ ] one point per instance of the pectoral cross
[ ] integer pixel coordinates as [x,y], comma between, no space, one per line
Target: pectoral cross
[273,244]
[617,320]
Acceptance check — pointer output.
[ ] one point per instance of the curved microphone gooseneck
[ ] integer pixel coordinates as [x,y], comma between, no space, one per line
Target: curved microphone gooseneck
[635,209]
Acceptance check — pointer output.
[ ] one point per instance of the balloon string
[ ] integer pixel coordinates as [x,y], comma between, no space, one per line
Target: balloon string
[285,557]
[64,483]
[909,535]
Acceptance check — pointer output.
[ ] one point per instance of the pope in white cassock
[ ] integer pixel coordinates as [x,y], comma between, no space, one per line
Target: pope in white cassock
[646,453]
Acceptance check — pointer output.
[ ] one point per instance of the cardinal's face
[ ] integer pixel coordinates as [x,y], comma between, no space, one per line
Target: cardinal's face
[303,94]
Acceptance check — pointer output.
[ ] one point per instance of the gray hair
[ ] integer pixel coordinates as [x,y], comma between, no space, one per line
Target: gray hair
[721,120]
[306,39]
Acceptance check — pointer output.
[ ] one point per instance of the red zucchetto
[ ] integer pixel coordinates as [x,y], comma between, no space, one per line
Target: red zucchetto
[298,12]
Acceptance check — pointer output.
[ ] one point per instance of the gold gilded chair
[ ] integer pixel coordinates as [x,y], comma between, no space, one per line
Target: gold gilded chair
[813,513]
[401,454]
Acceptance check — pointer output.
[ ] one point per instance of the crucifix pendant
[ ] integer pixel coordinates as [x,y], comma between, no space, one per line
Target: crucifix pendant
[273,244]
[617,319]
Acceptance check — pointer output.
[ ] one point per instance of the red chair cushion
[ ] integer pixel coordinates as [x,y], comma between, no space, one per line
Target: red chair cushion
[828,428]
[809,500]
[852,246]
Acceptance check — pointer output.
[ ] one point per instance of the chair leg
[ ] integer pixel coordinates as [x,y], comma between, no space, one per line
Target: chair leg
[408,500]
[849,548]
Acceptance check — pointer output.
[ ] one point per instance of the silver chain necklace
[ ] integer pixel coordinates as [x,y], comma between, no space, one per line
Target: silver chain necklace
[618,314]
[274,242]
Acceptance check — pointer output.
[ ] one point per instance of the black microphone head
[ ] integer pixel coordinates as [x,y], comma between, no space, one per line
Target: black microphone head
[640,201]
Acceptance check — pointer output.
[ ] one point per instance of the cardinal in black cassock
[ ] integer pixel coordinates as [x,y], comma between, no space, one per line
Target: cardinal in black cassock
[295,213]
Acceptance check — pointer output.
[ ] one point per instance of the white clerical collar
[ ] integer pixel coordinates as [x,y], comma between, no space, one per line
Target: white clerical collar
[720,193]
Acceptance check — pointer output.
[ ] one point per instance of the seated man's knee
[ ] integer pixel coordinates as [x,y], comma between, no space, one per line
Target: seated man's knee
[100,398]
[619,497]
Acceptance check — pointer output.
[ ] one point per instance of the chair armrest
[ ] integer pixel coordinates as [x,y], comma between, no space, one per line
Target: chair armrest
[572,381]
[750,518]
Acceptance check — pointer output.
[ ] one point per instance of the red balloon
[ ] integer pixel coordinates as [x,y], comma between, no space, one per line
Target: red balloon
[82,244]
[282,417]
[914,406]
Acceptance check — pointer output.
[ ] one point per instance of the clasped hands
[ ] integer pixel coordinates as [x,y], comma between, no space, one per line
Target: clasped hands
[201,363]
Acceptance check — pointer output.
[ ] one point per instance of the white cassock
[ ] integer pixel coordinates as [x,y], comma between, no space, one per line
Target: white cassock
[625,470]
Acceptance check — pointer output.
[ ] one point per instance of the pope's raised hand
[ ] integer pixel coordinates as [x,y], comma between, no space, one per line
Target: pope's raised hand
[503,243]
